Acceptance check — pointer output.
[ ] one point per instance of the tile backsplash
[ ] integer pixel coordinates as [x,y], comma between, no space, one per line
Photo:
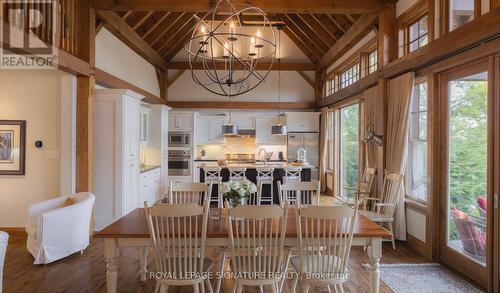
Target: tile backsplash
[236,145]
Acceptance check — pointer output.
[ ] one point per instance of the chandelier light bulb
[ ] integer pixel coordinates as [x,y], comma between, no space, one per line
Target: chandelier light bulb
[251,52]
[258,41]
[232,32]
[203,30]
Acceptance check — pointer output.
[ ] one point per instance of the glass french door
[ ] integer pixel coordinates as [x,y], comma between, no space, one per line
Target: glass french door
[348,150]
[465,163]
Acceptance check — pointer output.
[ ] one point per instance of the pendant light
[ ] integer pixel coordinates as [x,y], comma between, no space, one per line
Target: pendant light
[229,129]
[279,129]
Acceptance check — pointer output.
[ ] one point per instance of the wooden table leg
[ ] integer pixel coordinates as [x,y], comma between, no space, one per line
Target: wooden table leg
[144,262]
[111,255]
[375,253]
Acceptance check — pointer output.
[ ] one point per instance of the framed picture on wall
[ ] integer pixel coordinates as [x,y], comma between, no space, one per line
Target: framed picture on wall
[12,147]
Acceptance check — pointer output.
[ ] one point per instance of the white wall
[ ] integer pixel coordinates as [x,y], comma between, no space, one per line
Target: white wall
[35,96]
[416,224]
[293,89]
[116,58]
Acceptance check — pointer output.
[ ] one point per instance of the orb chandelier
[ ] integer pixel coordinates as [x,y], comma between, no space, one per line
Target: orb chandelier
[227,56]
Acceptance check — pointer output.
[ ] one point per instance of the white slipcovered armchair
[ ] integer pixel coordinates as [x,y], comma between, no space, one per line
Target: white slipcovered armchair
[4,240]
[55,230]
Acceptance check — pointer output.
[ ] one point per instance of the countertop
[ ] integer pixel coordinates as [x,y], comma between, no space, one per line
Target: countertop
[146,168]
[276,165]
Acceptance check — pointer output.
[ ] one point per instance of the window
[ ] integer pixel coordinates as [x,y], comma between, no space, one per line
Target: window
[331,135]
[372,62]
[416,173]
[461,12]
[349,150]
[349,76]
[418,34]
[332,86]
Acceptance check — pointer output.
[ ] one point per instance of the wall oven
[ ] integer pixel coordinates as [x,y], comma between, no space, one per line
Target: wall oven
[179,163]
[179,139]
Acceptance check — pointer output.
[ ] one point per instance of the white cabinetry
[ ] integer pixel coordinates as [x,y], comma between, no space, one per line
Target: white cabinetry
[150,186]
[180,121]
[159,122]
[263,134]
[116,154]
[302,121]
[209,130]
[243,121]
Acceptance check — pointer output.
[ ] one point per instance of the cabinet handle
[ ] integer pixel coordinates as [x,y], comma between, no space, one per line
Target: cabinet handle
[145,186]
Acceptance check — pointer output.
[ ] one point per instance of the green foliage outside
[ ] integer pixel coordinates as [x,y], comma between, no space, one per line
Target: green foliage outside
[468,145]
[350,148]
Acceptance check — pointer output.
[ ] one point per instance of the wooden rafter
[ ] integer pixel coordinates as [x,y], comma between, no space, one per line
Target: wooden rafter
[327,29]
[329,25]
[358,30]
[312,55]
[162,28]
[142,20]
[337,24]
[275,6]
[149,25]
[126,34]
[306,78]
[311,22]
[171,30]
[176,43]
[304,39]
[306,30]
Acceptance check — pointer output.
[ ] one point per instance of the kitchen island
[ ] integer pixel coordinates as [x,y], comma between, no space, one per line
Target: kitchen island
[251,173]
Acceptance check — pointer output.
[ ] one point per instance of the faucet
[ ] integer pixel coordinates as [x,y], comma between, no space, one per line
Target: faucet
[265,155]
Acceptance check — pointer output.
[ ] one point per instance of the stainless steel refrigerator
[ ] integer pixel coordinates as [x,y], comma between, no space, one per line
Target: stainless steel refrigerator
[310,142]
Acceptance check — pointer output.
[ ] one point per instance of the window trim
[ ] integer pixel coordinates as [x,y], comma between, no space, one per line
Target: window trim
[410,198]
[445,14]
[409,17]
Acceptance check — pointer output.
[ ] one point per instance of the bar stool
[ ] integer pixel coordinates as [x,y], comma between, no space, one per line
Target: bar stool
[292,173]
[265,176]
[237,174]
[212,176]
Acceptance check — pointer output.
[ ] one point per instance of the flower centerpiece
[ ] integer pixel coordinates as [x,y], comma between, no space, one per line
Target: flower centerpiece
[237,192]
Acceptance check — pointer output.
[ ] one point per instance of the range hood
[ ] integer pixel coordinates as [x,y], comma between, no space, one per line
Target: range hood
[245,133]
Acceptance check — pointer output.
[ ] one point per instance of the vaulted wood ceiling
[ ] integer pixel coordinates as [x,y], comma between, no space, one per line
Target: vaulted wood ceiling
[167,31]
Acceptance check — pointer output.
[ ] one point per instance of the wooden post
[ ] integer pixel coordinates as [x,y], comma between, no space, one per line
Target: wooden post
[319,84]
[162,76]
[387,35]
[85,100]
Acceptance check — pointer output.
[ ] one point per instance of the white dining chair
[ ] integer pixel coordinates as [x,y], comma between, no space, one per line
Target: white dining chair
[4,241]
[305,192]
[178,236]
[237,174]
[187,192]
[265,177]
[257,254]
[363,190]
[292,174]
[213,177]
[325,237]
[383,207]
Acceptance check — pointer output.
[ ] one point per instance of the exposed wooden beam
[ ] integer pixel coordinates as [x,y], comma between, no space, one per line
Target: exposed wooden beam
[73,65]
[386,36]
[351,90]
[307,31]
[108,80]
[241,105]
[142,20]
[308,41]
[175,77]
[149,25]
[98,25]
[324,27]
[85,100]
[163,27]
[306,78]
[116,25]
[359,29]
[329,25]
[275,6]
[163,83]
[170,31]
[319,84]
[260,66]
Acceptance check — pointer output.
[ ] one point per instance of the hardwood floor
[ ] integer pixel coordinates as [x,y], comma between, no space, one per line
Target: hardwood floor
[86,272]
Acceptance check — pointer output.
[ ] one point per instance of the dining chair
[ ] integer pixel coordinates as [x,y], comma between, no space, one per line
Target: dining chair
[187,192]
[237,174]
[213,177]
[325,236]
[4,241]
[178,236]
[292,174]
[364,188]
[265,176]
[383,207]
[304,192]
[257,253]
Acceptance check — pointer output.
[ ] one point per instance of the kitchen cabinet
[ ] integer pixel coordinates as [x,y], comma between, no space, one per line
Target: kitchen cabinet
[150,186]
[302,121]
[144,127]
[158,117]
[116,154]
[243,121]
[180,121]
[263,134]
[209,130]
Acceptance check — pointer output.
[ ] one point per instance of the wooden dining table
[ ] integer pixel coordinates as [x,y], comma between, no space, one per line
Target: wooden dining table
[132,231]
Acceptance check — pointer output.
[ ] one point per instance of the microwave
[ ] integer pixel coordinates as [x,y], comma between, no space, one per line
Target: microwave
[179,139]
